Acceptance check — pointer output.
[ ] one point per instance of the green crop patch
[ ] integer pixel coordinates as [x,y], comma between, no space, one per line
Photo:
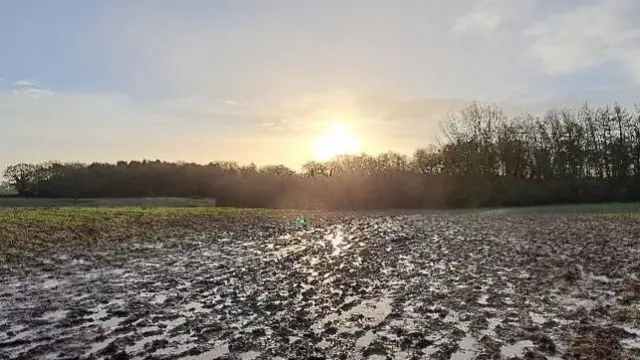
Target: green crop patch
[69,216]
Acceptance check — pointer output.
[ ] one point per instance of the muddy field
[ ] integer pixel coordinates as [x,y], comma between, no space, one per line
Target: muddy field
[482,286]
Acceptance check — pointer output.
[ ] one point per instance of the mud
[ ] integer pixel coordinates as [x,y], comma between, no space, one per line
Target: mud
[349,287]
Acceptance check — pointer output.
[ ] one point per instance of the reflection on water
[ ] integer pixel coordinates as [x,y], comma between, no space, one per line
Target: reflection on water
[516,349]
[365,339]
[336,237]
[466,345]
[249,355]
[218,352]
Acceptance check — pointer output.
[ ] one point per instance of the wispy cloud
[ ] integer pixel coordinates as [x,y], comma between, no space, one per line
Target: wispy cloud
[26,83]
[488,16]
[31,87]
[477,23]
[591,34]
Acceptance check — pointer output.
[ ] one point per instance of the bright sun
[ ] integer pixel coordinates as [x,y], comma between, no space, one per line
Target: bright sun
[337,140]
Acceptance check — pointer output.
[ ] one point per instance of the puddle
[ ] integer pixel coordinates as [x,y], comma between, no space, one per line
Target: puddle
[250,355]
[50,284]
[111,323]
[483,299]
[160,299]
[139,345]
[55,315]
[537,318]
[429,350]
[516,349]
[466,352]
[373,311]
[173,323]
[491,328]
[631,343]
[194,306]
[365,339]
[376,311]
[601,278]
[96,347]
[211,354]
[337,239]
[80,262]
[174,349]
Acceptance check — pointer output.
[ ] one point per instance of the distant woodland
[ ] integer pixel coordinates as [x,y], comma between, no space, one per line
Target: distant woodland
[589,154]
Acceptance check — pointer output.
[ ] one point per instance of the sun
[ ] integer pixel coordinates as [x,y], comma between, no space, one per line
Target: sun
[337,140]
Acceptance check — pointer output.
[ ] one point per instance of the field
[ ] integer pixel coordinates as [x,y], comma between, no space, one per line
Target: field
[11,202]
[206,282]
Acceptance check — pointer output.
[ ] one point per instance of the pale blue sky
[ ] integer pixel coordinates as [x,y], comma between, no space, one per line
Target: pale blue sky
[256,80]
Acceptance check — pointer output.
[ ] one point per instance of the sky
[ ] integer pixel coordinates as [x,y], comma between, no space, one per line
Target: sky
[258,81]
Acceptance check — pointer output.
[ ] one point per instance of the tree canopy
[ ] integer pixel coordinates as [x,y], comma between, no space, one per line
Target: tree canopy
[589,154]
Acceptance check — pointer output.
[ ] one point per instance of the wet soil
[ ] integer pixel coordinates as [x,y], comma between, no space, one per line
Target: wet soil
[348,287]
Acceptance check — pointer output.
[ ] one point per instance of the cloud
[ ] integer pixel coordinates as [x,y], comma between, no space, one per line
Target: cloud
[201,108]
[588,35]
[363,46]
[32,87]
[488,16]
[477,23]
[26,83]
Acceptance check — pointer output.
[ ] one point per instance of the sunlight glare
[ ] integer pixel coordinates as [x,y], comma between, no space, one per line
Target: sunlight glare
[337,140]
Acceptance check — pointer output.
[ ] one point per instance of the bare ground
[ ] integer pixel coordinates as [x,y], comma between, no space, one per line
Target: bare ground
[351,286]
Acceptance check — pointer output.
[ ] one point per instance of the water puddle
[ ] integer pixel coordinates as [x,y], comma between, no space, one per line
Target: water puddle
[139,345]
[173,350]
[104,318]
[160,299]
[601,279]
[337,239]
[194,306]
[374,313]
[401,355]
[96,347]
[55,315]
[175,322]
[250,355]
[516,349]
[631,343]
[537,319]
[365,339]
[374,310]
[483,300]
[466,352]
[50,284]
[220,351]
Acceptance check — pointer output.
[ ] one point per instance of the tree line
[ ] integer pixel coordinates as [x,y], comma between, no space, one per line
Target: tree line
[589,154]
